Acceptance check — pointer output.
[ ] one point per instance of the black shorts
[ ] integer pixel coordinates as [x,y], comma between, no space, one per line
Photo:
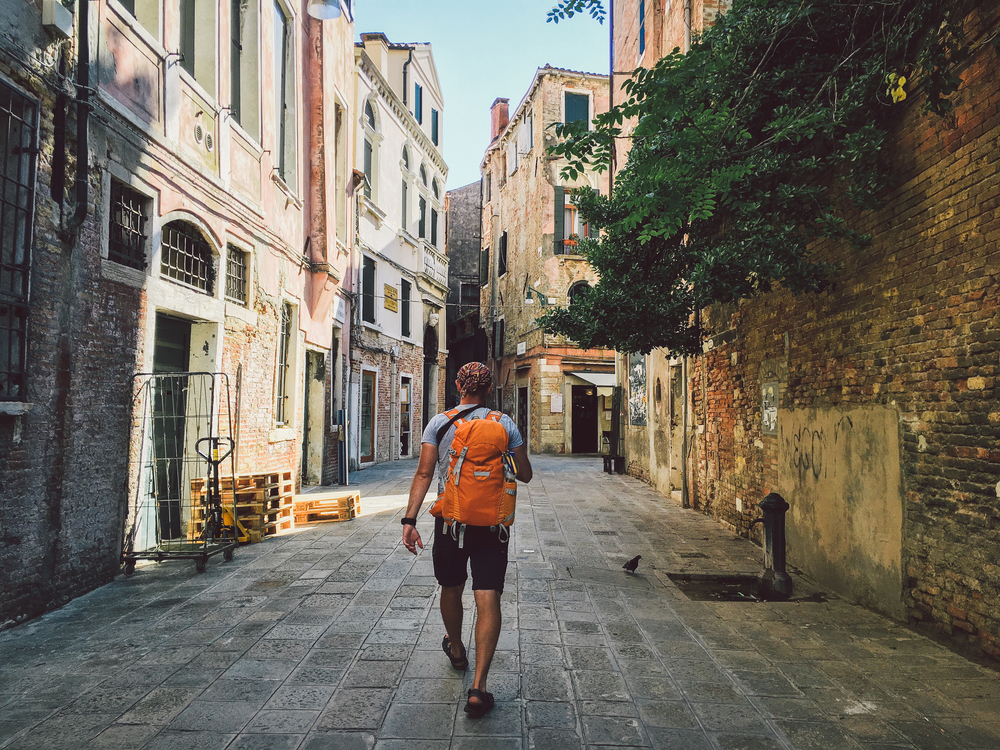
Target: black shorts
[481,546]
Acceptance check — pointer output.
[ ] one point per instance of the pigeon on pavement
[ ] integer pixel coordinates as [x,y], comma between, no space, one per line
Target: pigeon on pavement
[632,564]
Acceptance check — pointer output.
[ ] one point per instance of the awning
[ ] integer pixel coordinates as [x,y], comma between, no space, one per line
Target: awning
[600,379]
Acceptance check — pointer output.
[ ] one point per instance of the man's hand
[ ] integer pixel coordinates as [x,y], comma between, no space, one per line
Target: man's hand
[411,539]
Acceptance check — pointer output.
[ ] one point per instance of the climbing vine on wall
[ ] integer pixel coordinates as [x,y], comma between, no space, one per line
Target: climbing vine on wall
[746,150]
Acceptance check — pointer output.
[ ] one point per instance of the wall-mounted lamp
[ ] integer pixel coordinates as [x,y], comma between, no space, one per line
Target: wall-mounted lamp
[324,10]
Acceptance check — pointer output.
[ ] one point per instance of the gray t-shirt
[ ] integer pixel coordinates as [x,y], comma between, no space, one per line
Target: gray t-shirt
[514,438]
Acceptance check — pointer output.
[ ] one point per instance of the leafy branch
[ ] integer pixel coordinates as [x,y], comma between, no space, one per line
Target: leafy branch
[768,136]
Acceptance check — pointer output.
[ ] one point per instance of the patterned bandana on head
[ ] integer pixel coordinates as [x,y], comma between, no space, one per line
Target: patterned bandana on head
[473,377]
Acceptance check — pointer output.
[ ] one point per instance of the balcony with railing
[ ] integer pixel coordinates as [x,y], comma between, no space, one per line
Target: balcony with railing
[434,266]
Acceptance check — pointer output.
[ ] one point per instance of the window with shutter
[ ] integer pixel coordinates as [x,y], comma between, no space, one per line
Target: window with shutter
[368,291]
[368,168]
[642,26]
[434,227]
[404,307]
[578,108]
[484,266]
[502,259]
[418,102]
[434,126]
[422,220]
[560,206]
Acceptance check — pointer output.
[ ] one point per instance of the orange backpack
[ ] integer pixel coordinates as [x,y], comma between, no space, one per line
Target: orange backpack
[481,488]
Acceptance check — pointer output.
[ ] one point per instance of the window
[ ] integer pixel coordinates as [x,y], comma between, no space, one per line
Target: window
[434,227]
[368,291]
[243,70]
[489,187]
[368,168]
[469,296]
[484,266]
[578,108]
[370,117]
[435,189]
[406,198]
[406,158]
[418,102]
[502,260]
[642,26]
[498,336]
[146,12]
[423,175]
[281,410]
[422,219]
[404,307]
[198,42]
[18,122]
[237,273]
[568,223]
[434,126]
[127,226]
[186,257]
[284,95]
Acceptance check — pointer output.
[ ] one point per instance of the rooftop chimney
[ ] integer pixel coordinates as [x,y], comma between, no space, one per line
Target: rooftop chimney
[377,47]
[498,118]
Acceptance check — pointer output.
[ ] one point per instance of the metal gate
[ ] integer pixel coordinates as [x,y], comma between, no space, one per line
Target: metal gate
[181,443]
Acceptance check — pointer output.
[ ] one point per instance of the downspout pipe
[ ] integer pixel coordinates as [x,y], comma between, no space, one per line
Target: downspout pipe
[611,94]
[406,86]
[72,228]
[687,26]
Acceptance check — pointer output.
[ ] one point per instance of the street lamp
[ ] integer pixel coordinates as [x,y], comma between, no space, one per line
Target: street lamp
[324,10]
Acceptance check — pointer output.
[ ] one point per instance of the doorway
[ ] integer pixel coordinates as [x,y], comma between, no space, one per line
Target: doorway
[522,413]
[367,448]
[585,419]
[315,410]
[405,426]
[171,353]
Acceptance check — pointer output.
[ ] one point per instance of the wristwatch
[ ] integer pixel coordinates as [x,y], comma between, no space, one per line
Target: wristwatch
[408,521]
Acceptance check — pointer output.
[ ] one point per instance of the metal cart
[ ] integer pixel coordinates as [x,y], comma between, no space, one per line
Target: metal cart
[181,444]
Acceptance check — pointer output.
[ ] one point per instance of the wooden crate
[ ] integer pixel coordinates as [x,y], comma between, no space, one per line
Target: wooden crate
[317,507]
[264,502]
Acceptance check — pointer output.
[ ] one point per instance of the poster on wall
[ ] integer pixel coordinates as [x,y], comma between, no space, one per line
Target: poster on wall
[769,408]
[637,389]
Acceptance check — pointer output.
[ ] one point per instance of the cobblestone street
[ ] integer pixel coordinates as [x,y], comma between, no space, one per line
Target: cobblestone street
[330,637]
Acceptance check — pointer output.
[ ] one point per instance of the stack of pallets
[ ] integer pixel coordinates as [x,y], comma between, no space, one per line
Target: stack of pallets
[316,507]
[264,502]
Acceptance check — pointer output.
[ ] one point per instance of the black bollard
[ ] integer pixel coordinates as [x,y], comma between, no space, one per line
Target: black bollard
[775,583]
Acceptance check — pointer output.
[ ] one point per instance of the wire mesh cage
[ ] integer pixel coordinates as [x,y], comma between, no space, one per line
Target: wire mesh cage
[181,446]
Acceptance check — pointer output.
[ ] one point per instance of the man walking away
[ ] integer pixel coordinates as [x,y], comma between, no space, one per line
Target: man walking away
[456,545]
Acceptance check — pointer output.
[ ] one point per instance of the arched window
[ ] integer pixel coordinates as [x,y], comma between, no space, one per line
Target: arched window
[406,157]
[423,174]
[434,187]
[578,291]
[369,115]
[186,257]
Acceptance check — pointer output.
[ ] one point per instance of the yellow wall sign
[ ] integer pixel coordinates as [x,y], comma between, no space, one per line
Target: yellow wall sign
[391,298]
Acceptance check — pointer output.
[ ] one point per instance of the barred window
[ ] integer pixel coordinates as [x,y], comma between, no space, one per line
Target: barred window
[186,257]
[127,230]
[237,273]
[18,123]
[281,385]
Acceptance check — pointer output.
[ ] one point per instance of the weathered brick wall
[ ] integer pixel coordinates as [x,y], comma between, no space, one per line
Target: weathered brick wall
[912,325]
[63,464]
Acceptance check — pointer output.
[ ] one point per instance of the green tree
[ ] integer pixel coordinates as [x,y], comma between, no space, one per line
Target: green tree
[744,152]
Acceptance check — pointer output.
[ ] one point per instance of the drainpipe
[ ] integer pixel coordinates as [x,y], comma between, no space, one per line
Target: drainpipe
[72,228]
[406,86]
[687,26]
[611,92]
[685,499]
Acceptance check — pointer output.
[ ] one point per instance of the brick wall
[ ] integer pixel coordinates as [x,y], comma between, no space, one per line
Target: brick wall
[63,464]
[911,326]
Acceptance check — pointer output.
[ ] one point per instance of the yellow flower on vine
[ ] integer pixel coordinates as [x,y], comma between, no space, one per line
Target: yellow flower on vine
[895,90]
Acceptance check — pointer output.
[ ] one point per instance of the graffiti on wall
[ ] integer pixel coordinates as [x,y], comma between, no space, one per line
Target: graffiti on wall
[637,405]
[805,447]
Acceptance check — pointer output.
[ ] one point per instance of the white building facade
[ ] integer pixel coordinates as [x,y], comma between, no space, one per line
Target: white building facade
[398,350]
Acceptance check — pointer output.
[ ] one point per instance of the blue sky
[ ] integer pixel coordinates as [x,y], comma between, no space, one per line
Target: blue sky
[484,50]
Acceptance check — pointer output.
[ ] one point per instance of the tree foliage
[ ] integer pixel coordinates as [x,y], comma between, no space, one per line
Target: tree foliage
[746,150]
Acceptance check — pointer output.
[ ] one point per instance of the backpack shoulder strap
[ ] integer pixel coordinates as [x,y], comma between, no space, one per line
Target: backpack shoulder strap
[456,414]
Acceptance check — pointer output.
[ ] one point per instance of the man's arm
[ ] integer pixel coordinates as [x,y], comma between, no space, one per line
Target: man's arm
[418,491]
[524,472]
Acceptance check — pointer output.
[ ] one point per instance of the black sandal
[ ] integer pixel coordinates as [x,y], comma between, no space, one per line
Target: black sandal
[460,662]
[476,710]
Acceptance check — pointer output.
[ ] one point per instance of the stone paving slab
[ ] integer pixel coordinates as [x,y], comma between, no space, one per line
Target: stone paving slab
[330,638]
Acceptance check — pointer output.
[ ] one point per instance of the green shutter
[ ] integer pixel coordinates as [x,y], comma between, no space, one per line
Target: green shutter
[560,209]
[484,267]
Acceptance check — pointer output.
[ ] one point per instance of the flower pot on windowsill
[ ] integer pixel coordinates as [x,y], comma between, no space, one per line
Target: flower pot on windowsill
[569,243]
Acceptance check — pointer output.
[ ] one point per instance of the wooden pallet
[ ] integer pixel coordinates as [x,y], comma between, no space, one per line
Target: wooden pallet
[263,502]
[319,507]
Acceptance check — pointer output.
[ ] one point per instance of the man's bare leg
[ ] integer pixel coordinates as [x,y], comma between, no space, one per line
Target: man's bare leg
[487,635]
[452,614]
